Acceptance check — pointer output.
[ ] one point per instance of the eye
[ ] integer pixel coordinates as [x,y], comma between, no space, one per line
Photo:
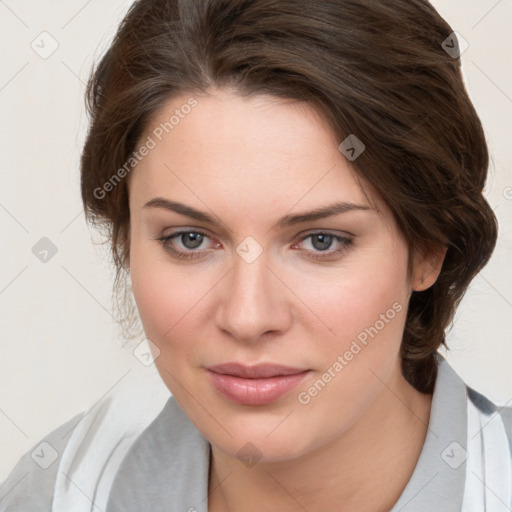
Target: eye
[192,240]
[321,241]
[189,240]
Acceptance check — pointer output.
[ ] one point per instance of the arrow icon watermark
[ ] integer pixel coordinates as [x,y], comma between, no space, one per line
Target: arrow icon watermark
[352,147]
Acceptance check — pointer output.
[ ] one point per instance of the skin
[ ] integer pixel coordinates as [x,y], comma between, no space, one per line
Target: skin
[248,162]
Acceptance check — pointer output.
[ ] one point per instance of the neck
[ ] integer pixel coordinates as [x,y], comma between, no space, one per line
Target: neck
[365,469]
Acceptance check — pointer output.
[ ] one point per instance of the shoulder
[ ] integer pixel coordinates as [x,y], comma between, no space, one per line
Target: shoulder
[30,485]
[86,451]
[460,396]
[90,448]
[493,410]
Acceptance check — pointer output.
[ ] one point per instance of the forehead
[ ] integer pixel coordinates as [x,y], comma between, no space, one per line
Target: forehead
[258,153]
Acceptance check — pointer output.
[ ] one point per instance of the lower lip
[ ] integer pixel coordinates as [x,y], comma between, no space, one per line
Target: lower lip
[256,391]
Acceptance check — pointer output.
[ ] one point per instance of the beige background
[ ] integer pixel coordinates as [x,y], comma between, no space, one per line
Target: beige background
[60,347]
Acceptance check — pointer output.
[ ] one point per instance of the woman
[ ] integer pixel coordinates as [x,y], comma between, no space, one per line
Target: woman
[294,191]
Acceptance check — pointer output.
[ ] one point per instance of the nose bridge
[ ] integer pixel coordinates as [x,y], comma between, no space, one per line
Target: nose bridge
[253,302]
[251,278]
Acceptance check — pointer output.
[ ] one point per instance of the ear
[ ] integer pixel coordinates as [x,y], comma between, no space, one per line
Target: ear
[427,267]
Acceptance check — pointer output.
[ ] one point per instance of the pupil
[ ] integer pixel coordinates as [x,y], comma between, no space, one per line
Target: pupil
[325,241]
[194,238]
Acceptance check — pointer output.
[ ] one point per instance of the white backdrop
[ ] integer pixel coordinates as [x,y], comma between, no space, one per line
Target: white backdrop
[60,349]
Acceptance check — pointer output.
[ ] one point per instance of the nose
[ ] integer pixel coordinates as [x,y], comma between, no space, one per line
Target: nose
[254,301]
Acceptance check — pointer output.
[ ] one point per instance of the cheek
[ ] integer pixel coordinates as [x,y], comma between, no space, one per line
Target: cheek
[163,296]
[367,311]
[371,293]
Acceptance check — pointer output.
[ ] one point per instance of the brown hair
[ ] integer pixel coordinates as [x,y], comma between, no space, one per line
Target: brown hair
[374,69]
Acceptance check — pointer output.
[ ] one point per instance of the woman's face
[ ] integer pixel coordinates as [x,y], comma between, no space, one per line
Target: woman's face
[260,281]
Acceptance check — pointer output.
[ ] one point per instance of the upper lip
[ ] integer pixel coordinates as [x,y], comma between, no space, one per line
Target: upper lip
[259,371]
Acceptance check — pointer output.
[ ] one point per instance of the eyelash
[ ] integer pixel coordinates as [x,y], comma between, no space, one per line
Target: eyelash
[345,243]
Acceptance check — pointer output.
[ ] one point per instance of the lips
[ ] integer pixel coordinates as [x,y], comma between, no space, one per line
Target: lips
[260,371]
[255,385]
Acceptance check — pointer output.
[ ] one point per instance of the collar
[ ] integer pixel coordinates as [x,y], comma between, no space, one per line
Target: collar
[437,482]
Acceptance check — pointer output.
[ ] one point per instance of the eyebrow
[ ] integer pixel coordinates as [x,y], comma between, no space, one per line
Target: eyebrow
[284,222]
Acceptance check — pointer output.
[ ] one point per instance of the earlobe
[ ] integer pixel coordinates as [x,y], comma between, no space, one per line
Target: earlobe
[428,268]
